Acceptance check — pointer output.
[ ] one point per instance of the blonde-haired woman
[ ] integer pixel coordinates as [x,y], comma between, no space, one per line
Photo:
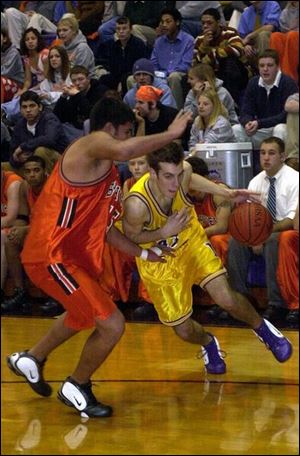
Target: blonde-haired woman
[202,77]
[212,124]
[75,43]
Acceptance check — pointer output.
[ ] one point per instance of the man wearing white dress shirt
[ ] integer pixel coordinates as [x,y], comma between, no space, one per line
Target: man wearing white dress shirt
[285,199]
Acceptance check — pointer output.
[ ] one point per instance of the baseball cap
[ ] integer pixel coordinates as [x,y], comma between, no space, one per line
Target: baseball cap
[143,66]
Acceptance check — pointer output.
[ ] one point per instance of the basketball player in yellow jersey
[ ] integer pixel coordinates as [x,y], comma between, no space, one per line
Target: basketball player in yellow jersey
[153,204]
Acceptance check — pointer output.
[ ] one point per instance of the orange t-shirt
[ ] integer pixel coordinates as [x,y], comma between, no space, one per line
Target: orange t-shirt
[69,221]
[8,178]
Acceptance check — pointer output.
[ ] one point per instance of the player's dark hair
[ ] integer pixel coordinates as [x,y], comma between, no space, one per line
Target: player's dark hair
[199,166]
[110,110]
[172,153]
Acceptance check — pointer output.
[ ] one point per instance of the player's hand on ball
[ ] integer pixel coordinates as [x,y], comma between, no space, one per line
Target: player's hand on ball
[242,195]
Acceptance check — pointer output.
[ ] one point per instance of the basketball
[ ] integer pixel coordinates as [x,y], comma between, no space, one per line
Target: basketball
[250,224]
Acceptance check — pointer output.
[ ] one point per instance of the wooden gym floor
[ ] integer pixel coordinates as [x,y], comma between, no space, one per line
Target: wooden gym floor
[163,401]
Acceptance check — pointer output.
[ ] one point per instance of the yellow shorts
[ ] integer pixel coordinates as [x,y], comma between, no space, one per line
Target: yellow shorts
[170,284]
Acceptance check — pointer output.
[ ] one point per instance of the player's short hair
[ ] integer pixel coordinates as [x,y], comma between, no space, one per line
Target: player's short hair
[110,110]
[199,166]
[172,153]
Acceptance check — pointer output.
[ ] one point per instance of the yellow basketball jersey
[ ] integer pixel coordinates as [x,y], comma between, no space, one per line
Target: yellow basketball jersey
[194,262]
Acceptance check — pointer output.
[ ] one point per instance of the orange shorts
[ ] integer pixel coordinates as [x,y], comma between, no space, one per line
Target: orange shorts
[81,295]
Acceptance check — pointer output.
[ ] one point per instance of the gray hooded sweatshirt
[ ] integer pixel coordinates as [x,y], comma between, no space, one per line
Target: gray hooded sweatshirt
[80,53]
[11,64]
[191,103]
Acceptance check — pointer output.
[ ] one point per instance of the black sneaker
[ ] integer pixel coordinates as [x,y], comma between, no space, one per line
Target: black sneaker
[214,312]
[31,369]
[292,318]
[2,296]
[17,304]
[82,399]
[51,308]
[145,311]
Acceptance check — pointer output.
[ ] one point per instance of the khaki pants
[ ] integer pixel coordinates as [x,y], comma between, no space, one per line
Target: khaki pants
[292,140]
[49,155]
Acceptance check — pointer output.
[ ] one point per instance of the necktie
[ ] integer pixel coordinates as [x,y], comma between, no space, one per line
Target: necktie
[257,23]
[271,203]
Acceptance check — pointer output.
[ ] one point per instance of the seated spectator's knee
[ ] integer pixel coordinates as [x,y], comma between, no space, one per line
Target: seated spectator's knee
[12,12]
[265,34]
[6,166]
[239,133]
[130,82]
[280,131]
[174,77]
[49,155]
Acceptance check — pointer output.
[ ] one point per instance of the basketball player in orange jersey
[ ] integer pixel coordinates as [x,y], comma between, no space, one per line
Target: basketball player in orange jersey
[10,185]
[150,204]
[213,211]
[288,269]
[34,172]
[63,251]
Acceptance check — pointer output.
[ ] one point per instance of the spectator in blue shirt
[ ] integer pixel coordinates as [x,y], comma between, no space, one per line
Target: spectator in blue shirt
[173,52]
[256,24]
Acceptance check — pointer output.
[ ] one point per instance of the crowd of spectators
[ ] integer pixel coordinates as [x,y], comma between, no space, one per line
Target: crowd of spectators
[235,66]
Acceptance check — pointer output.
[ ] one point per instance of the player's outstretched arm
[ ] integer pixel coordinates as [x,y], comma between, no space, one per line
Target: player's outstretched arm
[201,184]
[101,145]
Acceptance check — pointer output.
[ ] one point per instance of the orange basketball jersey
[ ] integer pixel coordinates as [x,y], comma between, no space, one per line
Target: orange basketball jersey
[31,198]
[70,220]
[206,211]
[8,177]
